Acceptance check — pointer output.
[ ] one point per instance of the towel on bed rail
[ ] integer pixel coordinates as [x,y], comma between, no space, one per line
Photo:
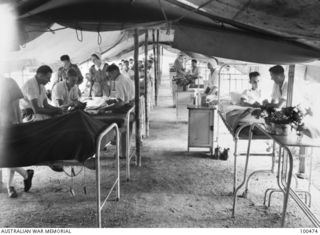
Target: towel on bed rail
[68,137]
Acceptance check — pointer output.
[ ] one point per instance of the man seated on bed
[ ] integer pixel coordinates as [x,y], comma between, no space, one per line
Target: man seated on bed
[280,88]
[65,93]
[252,97]
[35,103]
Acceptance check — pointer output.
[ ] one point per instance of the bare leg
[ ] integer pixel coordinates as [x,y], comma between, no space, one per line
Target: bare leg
[11,171]
[21,171]
[10,178]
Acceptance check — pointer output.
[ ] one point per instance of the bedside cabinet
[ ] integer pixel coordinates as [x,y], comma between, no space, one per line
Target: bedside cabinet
[200,127]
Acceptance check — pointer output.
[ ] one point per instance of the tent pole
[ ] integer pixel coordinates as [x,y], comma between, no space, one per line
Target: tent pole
[158,68]
[137,95]
[290,84]
[146,83]
[302,150]
[154,65]
[161,61]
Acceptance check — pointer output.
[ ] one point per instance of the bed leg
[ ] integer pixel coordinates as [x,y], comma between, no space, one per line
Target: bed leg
[235,165]
[273,157]
[118,166]
[99,224]
[128,151]
[234,176]
[245,172]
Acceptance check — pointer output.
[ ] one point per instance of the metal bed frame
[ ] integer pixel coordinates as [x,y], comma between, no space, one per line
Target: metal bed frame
[284,177]
[129,154]
[236,138]
[116,184]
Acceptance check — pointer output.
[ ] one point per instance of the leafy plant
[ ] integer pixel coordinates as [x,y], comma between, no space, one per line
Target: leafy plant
[292,116]
[184,81]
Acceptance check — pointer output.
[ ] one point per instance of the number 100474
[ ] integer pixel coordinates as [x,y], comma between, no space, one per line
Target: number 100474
[309,230]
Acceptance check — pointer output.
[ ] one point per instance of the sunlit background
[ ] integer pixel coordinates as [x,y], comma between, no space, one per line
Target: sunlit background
[7,29]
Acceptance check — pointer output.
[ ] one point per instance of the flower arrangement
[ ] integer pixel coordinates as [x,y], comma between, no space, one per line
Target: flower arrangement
[292,116]
[185,81]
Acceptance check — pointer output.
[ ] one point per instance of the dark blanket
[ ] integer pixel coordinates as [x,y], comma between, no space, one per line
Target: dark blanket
[68,137]
[116,113]
[236,116]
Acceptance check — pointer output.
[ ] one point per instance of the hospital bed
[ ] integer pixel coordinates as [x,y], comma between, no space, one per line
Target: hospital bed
[73,137]
[243,126]
[125,120]
[237,121]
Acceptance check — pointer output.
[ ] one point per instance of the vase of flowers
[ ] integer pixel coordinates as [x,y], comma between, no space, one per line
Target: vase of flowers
[280,129]
[282,122]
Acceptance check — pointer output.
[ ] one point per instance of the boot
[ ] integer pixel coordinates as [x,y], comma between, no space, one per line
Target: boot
[225,154]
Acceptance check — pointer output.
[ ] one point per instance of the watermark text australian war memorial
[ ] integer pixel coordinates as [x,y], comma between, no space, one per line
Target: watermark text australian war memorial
[34,231]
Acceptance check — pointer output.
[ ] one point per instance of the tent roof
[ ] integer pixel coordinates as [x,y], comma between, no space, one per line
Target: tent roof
[47,48]
[295,19]
[289,28]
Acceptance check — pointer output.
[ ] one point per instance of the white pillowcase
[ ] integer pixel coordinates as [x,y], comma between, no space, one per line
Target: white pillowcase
[235,97]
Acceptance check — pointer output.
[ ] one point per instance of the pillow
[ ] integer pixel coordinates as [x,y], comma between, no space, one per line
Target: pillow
[235,97]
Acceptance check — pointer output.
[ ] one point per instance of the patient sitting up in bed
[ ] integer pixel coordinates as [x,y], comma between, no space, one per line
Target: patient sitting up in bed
[252,97]
[65,93]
